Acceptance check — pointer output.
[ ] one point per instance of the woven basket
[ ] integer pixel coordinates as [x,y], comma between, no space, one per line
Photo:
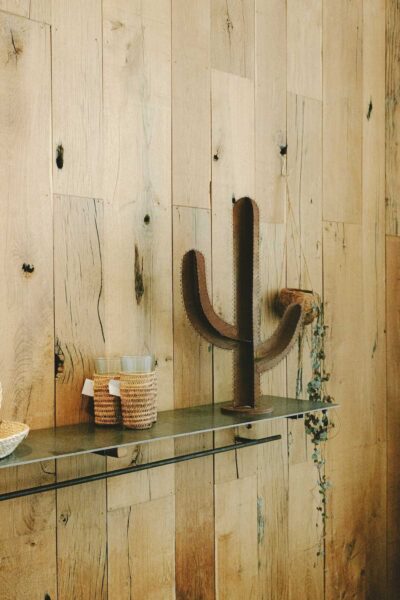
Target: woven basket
[12,434]
[107,408]
[138,399]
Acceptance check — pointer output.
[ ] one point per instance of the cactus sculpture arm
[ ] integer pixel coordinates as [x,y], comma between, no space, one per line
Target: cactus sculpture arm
[251,357]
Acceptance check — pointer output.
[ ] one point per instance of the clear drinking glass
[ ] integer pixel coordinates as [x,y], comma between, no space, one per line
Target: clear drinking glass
[137,364]
[105,365]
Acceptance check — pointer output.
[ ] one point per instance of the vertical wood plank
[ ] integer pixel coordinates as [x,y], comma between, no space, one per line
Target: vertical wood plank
[26,301]
[272,513]
[77,97]
[141,537]
[79,301]
[81,531]
[304,59]
[236,538]
[304,213]
[137,185]
[138,272]
[304,270]
[343,110]
[393,390]
[270,108]
[392,116]
[194,508]
[141,504]
[354,544]
[232,36]
[79,310]
[233,177]
[374,212]
[191,136]
[28,536]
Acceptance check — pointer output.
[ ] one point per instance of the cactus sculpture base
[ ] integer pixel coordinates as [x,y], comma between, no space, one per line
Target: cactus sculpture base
[263,407]
[251,357]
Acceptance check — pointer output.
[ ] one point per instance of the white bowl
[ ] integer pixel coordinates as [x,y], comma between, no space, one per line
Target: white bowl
[12,434]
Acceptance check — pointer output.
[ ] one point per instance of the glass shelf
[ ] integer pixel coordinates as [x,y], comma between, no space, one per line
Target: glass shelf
[72,440]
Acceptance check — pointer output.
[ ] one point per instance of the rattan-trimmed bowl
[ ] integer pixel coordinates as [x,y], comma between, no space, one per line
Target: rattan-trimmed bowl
[12,434]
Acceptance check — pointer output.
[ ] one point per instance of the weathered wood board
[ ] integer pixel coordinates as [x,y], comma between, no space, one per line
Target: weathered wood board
[77,97]
[191,107]
[26,245]
[270,108]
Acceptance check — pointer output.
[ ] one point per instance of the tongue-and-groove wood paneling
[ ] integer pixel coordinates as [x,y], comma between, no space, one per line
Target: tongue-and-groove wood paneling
[163,113]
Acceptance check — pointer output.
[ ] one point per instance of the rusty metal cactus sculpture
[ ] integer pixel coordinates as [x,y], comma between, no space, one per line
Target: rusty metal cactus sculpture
[251,356]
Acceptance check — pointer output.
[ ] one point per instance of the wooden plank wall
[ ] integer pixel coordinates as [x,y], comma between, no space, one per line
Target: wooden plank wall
[392,301]
[128,129]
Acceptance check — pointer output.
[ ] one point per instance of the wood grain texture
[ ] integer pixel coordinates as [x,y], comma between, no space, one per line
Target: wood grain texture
[35,10]
[141,539]
[138,272]
[373,212]
[79,326]
[354,547]
[393,390]
[77,97]
[270,108]
[392,116]
[79,301]
[26,302]
[304,34]
[82,531]
[304,215]
[41,10]
[17,7]
[303,270]
[236,554]
[232,36]
[194,508]
[140,506]
[343,110]
[191,109]
[137,185]
[165,110]
[194,514]
[272,513]
[28,536]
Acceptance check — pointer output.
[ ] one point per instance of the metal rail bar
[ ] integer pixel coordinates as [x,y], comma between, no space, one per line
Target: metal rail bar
[240,443]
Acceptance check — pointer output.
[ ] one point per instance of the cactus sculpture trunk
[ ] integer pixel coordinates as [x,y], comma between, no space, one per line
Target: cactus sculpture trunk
[251,356]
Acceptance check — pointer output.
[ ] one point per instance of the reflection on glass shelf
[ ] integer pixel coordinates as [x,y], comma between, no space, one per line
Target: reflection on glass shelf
[59,442]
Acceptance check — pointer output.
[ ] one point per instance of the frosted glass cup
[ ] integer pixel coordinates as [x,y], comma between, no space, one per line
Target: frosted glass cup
[137,364]
[107,365]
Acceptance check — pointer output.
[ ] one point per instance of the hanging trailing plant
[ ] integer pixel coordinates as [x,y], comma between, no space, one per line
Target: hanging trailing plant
[318,425]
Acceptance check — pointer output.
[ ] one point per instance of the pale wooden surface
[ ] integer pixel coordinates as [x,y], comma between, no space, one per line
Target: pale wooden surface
[393,391]
[191,74]
[79,305]
[77,96]
[166,109]
[392,117]
[343,110]
[270,107]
